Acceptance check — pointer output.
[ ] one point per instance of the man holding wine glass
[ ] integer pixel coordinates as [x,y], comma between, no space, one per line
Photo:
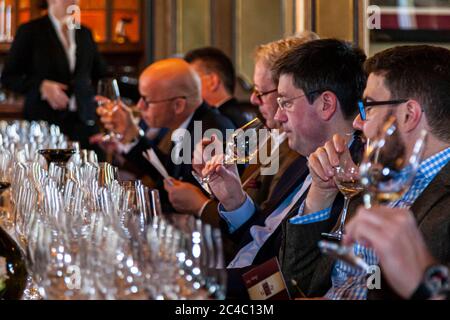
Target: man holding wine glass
[319,85]
[258,186]
[171,98]
[406,95]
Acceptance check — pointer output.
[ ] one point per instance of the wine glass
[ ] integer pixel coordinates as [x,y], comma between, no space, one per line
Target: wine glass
[387,170]
[5,184]
[108,88]
[240,148]
[58,156]
[348,182]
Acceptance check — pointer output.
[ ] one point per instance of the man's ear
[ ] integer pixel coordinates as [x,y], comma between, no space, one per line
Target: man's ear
[411,115]
[214,81]
[328,105]
[180,106]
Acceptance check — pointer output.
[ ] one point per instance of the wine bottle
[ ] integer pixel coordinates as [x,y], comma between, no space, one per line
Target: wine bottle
[13,272]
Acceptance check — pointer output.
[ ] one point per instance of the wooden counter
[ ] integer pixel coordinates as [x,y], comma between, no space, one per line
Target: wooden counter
[11,111]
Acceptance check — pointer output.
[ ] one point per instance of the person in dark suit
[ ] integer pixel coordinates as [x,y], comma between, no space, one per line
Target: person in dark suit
[423,106]
[218,83]
[171,98]
[320,83]
[257,180]
[54,64]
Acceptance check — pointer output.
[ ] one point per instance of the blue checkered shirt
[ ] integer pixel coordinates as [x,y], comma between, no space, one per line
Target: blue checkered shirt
[349,283]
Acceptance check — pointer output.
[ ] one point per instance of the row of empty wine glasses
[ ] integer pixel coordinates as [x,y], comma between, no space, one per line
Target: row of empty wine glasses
[89,236]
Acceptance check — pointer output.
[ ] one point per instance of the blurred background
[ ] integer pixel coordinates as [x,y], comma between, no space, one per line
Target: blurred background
[133,33]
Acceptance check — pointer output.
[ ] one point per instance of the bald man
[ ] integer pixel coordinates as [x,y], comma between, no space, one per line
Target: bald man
[170,98]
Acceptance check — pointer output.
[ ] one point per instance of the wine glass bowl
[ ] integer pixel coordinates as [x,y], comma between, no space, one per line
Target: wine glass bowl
[388,170]
[241,147]
[348,181]
[109,97]
[57,155]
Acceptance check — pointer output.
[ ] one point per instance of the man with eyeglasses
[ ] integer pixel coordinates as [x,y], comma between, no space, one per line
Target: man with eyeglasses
[410,83]
[258,186]
[170,98]
[319,85]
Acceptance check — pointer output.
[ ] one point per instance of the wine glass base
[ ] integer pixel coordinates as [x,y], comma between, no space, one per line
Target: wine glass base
[203,182]
[333,236]
[111,137]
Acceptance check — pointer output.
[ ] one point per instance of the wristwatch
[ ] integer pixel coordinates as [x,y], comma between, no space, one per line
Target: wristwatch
[434,284]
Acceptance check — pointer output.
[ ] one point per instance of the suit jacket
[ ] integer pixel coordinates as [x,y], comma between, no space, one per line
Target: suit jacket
[292,177]
[433,218]
[210,119]
[238,114]
[265,184]
[260,196]
[299,251]
[36,55]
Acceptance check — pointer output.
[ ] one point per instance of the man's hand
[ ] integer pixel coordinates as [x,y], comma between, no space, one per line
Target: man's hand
[118,118]
[397,241]
[53,93]
[185,197]
[322,164]
[224,180]
[110,146]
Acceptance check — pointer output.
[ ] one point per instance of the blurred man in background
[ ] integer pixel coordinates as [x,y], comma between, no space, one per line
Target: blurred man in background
[54,64]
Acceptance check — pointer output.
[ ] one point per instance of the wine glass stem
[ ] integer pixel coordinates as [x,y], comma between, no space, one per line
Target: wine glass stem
[344,215]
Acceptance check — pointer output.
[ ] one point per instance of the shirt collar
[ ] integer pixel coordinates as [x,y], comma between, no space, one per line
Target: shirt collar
[56,23]
[431,166]
[186,122]
[59,23]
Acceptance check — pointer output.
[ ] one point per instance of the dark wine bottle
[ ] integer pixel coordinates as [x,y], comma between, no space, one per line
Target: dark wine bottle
[13,272]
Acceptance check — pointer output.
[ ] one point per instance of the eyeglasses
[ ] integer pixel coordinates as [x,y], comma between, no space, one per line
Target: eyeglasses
[148,102]
[364,105]
[286,104]
[260,94]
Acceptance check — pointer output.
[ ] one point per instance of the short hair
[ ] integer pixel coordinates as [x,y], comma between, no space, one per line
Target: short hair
[327,64]
[270,52]
[422,73]
[215,60]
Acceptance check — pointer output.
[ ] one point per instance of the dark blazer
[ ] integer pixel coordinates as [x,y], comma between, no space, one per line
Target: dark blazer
[266,185]
[293,176]
[240,114]
[37,54]
[433,218]
[210,118]
[299,251]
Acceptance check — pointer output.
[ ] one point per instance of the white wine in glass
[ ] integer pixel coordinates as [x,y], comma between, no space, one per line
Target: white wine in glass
[348,182]
[350,188]
[243,145]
